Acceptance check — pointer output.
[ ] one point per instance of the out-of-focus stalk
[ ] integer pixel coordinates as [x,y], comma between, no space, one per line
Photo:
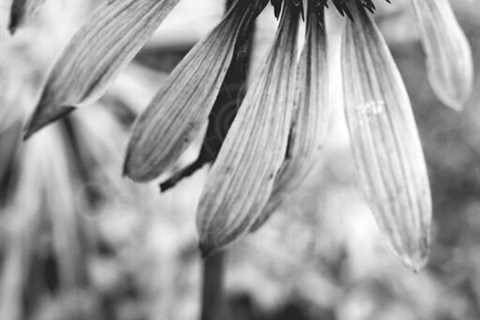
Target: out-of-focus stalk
[213,307]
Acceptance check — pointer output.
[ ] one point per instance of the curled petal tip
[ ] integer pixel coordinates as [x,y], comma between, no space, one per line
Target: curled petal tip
[12,29]
[413,251]
[41,119]
[125,171]
[455,90]
[21,12]
[27,134]
[455,104]
[416,262]
[130,169]
[418,265]
[126,164]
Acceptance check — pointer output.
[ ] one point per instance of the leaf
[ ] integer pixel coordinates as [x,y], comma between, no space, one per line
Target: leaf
[242,177]
[180,110]
[109,40]
[449,56]
[385,141]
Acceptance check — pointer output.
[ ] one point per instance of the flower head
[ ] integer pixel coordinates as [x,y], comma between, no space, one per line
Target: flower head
[281,125]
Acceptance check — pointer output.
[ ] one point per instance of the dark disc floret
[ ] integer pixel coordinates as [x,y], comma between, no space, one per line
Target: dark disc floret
[341,5]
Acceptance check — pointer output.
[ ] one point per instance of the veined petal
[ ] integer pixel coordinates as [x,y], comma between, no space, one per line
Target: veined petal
[385,141]
[241,179]
[310,119]
[449,56]
[115,33]
[21,11]
[180,109]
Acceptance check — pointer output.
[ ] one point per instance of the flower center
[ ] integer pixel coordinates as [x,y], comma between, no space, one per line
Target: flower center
[343,6]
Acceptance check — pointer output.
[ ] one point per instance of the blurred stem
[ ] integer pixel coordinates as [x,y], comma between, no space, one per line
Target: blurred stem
[213,304]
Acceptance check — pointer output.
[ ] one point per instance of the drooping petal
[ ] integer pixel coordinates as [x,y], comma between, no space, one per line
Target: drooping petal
[449,56]
[180,109]
[385,141]
[311,116]
[242,177]
[115,33]
[21,11]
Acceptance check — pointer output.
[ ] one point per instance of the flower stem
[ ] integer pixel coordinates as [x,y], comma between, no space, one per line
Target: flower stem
[213,306]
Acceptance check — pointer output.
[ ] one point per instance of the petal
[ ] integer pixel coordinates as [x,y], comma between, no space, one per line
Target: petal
[310,119]
[385,141]
[179,111]
[21,11]
[449,56]
[47,181]
[115,33]
[242,177]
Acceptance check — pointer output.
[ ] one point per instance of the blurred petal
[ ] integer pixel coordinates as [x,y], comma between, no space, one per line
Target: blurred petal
[449,56]
[21,11]
[47,182]
[385,141]
[10,141]
[310,119]
[180,109]
[115,33]
[241,179]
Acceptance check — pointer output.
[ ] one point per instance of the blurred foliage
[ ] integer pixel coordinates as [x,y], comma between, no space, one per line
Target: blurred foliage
[79,242]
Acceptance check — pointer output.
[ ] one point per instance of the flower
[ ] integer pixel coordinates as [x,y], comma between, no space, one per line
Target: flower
[281,125]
